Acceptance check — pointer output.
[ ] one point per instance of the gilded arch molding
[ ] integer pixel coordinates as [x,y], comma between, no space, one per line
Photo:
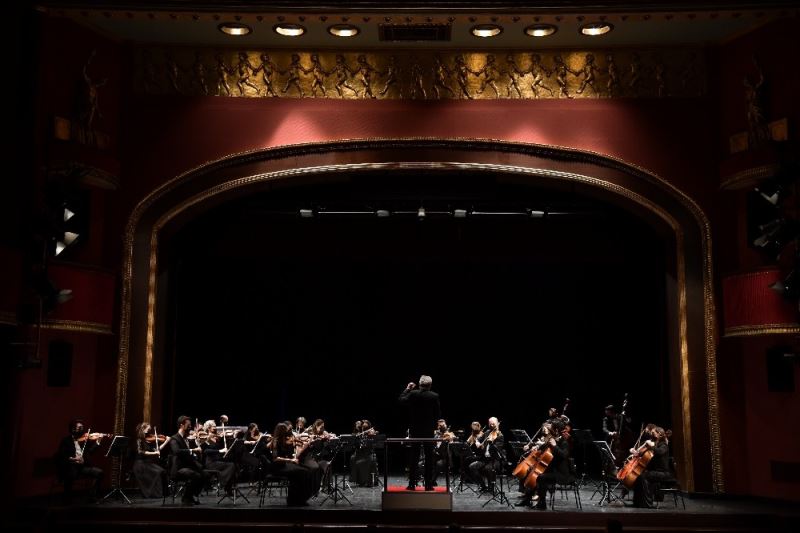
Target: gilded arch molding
[212,181]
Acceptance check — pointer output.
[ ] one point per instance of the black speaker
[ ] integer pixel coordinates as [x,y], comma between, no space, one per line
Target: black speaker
[59,364]
[780,369]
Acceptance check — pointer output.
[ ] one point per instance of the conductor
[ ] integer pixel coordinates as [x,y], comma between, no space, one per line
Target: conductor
[424,412]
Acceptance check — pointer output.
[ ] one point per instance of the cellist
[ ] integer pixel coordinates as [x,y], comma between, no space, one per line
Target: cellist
[558,471]
[657,470]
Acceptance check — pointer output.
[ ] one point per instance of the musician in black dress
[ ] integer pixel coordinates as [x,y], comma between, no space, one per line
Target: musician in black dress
[150,474]
[558,471]
[73,459]
[363,463]
[215,457]
[489,456]
[424,411]
[657,472]
[285,463]
[255,447]
[184,464]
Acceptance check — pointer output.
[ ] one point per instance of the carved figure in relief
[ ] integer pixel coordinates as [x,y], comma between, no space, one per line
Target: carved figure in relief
[515,75]
[418,81]
[462,72]
[268,70]
[365,71]
[295,70]
[343,75]
[490,74]
[391,74]
[90,107]
[561,70]
[173,72]
[589,72]
[756,125]
[199,74]
[440,75]
[539,71]
[636,74]
[245,69]
[318,75]
[223,70]
[613,80]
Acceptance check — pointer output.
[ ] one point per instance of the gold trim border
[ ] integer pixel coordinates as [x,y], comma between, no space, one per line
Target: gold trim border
[747,177]
[78,325]
[490,145]
[762,329]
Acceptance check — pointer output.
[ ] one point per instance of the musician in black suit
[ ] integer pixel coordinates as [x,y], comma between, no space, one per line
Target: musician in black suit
[424,411]
[184,464]
[72,459]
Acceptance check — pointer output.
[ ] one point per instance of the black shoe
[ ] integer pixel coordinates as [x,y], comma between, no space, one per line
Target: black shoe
[541,505]
[429,487]
[187,503]
[411,487]
[523,503]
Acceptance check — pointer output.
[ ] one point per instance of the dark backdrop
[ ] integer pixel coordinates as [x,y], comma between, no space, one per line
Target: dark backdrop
[275,316]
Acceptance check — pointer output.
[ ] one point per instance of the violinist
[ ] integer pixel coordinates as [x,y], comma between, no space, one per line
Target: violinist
[150,476]
[305,445]
[558,471]
[285,463]
[184,465]
[72,458]
[363,462]
[324,455]
[255,442]
[442,449]
[214,460]
[490,456]
[299,426]
[657,470]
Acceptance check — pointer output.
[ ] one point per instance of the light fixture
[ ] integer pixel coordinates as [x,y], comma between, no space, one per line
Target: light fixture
[536,214]
[596,28]
[460,213]
[344,30]
[236,29]
[486,30]
[540,30]
[289,30]
[421,213]
[306,213]
[382,213]
[68,214]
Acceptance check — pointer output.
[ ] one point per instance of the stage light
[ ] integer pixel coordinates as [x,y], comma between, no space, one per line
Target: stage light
[772,192]
[306,213]
[536,214]
[460,213]
[540,30]
[789,287]
[596,28]
[344,30]
[67,239]
[382,213]
[421,213]
[486,30]
[289,30]
[235,29]
[68,214]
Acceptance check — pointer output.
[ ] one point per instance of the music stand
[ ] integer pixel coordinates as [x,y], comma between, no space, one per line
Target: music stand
[342,444]
[118,449]
[236,448]
[462,450]
[519,435]
[608,469]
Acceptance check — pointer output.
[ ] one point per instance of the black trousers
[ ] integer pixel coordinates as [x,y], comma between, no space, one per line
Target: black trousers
[646,485]
[75,471]
[413,463]
[195,481]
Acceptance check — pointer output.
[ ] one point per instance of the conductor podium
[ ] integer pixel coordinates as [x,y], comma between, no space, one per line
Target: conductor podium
[399,498]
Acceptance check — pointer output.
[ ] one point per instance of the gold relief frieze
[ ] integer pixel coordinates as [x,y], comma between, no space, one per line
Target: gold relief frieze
[421,75]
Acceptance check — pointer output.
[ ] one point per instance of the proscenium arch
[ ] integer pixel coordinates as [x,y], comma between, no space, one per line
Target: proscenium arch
[693,346]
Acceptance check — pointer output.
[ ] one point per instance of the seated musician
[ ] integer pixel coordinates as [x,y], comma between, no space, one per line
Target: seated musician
[558,471]
[489,456]
[254,457]
[299,426]
[185,466]
[657,471]
[214,457]
[285,463]
[72,459]
[151,476]
[323,454]
[363,463]
[442,450]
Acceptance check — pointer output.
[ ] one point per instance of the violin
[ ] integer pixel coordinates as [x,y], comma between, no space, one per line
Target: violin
[94,437]
[152,438]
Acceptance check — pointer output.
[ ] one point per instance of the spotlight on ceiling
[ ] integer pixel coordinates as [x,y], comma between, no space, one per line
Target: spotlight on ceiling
[460,213]
[596,28]
[486,30]
[540,30]
[421,213]
[344,30]
[382,213]
[289,30]
[236,29]
[306,213]
[536,214]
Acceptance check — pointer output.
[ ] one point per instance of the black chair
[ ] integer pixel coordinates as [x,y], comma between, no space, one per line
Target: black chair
[270,483]
[573,486]
[671,486]
[174,486]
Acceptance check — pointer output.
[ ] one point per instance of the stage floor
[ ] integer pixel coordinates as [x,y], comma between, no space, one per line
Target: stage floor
[470,510]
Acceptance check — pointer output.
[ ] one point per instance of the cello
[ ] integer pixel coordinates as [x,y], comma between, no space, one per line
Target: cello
[542,461]
[636,463]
